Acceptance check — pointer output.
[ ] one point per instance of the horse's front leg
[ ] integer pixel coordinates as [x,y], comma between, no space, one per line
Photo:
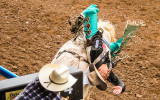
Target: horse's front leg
[86,93]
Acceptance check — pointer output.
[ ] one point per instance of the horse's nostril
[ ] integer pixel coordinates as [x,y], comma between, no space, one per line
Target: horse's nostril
[73,30]
[79,23]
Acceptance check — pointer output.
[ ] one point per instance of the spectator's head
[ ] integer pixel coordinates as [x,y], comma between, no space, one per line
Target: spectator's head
[56,77]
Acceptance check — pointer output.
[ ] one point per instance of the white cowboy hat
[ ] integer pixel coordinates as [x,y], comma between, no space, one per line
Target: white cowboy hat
[54,77]
[96,79]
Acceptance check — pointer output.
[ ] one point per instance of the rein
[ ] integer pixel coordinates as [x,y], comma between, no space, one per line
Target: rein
[81,58]
[107,43]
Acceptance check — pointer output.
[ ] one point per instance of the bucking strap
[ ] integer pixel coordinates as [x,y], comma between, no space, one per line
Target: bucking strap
[73,53]
[104,60]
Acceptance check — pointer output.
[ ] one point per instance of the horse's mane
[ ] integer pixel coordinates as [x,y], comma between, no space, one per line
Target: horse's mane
[109,27]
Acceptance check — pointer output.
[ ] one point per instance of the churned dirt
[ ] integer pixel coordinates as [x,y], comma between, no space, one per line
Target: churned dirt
[32,31]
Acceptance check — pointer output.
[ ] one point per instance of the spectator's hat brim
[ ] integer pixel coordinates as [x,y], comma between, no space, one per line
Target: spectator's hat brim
[54,77]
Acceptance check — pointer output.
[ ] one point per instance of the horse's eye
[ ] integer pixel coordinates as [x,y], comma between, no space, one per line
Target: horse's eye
[79,23]
[73,29]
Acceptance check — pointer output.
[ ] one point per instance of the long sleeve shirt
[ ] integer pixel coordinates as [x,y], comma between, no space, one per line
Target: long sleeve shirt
[116,81]
[35,91]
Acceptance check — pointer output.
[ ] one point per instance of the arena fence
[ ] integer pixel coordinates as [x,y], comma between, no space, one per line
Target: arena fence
[10,88]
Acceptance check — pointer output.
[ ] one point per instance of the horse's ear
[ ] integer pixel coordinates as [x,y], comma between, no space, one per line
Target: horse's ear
[70,20]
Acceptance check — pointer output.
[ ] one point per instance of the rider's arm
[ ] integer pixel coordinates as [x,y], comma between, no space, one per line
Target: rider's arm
[116,81]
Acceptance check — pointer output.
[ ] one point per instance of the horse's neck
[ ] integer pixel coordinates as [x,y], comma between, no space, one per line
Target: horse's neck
[80,40]
[76,45]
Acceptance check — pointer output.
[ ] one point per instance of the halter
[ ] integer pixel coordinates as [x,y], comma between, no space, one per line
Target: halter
[77,24]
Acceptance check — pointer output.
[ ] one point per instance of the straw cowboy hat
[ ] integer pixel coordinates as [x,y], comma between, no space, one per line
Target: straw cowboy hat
[96,79]
[54,77]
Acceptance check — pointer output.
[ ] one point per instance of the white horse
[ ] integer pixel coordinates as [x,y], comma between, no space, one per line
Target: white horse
[74,53]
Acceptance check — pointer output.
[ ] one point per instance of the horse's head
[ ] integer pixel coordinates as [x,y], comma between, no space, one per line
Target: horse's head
[77,27]
[76,23]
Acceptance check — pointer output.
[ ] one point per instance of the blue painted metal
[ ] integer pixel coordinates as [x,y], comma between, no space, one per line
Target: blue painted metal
[6,73]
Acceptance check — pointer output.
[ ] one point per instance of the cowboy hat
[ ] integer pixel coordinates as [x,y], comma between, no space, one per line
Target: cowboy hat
[96,79]
[54,77]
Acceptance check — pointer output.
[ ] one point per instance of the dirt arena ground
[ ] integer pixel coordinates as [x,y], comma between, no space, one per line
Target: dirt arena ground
[32,31]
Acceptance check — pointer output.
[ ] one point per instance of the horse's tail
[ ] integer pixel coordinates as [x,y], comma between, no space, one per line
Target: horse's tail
[109,27]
